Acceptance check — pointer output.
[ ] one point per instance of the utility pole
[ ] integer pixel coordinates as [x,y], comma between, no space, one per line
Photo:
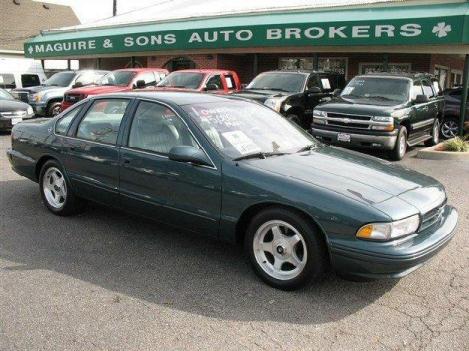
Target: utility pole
[114,8]
[465,87]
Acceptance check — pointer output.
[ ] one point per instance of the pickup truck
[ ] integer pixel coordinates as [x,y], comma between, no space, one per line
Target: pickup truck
[117,81]
[294,94]
[210,80]
[46,99]
[382,111]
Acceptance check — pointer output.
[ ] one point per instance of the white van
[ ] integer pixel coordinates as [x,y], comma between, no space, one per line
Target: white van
[20,72]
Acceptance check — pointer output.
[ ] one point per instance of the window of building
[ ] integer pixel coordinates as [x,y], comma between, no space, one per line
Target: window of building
[333,64]
[157,128]
[102,121]
[371,67]
[62,125]
[179,63]
[7,81]
[442,73]
[30,80]
[296,63]
[456,78]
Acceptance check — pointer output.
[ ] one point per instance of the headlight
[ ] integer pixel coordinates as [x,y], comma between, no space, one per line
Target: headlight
[274,103]
[387,123]
[30,111]
[391,230]
[319,113]
[38,97]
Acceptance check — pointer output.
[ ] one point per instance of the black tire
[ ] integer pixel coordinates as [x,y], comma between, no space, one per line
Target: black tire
[54,109]
[71,204]
[435,139]
[449,128]
[400,148]
[316,257]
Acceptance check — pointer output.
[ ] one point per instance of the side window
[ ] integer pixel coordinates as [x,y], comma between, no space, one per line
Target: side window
[7,81]
[158,129]
[436,87]
[230,82]
[102,121]
[427,88]
[148,78]
[62,124]
[215,80]
[30,80]
[86,78]
[416,89]
[313,82]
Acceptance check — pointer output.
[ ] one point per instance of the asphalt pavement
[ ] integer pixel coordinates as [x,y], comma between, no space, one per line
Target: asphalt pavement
[105,280]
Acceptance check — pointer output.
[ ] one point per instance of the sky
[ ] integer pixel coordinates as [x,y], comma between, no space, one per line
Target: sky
[93,10]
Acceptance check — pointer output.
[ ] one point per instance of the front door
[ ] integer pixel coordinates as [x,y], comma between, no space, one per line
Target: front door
[92,157]
[151,184]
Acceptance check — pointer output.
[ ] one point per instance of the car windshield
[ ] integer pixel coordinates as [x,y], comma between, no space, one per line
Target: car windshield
[290,82]
[5,95]
[188,80]
[388,91]
[117,78]
[240,128]
[61,79]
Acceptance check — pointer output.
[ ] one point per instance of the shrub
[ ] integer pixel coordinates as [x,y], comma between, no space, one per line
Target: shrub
[456,145]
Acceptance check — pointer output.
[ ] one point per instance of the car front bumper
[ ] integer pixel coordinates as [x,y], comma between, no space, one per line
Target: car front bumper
[39,108]
[6,123]
[397,258]
[385,142]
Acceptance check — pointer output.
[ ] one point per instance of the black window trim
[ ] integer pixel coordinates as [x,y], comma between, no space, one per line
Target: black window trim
[77,106]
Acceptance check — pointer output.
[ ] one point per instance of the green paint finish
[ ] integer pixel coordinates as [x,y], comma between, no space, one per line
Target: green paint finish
[443,24]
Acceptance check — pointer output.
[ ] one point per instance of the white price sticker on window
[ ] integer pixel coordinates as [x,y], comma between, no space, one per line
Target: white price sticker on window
[241,142]
[325,83]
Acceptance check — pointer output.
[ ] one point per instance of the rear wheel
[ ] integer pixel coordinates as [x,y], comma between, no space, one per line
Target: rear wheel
[56,191]
[435,139]
[450,128]
[54,109]
[401,144]
[285,250]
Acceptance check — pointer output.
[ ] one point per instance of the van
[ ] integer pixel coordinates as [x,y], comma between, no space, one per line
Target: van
[20,72]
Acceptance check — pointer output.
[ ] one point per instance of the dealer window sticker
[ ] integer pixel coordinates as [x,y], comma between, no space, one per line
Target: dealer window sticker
[241,142]
[325,83]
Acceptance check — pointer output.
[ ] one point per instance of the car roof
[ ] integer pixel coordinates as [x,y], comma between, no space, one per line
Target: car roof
[411,75]
[172,97]
[147,69]
[204,70]
[302,71]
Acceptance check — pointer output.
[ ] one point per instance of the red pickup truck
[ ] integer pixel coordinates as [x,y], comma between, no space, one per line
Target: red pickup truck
[213,80]
[117,81]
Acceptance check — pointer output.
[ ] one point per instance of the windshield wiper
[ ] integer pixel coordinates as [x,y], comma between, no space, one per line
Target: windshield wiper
[380,97]
[261,155]
[307,148]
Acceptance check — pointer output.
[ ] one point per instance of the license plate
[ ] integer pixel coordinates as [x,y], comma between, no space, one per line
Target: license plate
[343,137]
[16,120]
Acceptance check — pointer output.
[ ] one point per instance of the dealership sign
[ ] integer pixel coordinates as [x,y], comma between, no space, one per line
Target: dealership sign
[445,30]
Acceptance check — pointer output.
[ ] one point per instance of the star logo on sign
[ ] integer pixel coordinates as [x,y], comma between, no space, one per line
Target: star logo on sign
[441,29]
[30,50]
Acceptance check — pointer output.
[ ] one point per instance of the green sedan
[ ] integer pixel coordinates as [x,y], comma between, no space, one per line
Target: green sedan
[237,171]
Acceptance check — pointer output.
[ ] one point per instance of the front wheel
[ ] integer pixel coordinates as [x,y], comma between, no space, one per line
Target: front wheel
[56,191]
[400,148]
[54,109]
[285,250]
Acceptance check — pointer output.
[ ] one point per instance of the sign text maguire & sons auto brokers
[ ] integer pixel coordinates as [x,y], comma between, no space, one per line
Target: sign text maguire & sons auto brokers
[395,32]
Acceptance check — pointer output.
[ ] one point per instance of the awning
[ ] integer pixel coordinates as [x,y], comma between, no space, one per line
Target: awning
[409,26]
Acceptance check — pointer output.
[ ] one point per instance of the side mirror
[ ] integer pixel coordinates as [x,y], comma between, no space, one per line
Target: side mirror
[212,87]
[140,84]
[421,99]
[77,85]
[314,90]
[336,92]
[189,154]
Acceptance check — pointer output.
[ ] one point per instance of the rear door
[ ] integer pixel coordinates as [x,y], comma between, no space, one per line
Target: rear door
[429,110]
[92,155]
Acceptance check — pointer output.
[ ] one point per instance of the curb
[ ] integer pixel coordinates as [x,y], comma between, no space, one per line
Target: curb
[430,153]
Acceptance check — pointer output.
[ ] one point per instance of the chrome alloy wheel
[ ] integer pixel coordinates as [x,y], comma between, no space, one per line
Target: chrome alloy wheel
[280,250]
[450,129]
[54,187]
[402,145]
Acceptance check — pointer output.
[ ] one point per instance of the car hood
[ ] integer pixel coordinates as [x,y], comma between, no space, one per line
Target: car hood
[173,89]
[260,95]
[12,105]
[368,108]
[364,178]
[37,89]
[98,89]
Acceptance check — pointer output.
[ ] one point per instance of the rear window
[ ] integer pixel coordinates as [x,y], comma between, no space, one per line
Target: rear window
[30,80]
[7,81]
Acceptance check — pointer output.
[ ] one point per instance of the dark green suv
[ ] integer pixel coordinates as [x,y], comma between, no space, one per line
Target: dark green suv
[382,111]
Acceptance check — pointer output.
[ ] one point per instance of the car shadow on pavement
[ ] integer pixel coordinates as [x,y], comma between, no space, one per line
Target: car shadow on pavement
[142,259]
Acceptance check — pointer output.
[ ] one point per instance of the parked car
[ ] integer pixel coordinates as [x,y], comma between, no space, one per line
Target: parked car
[120,80]
[238,171]
[293,93]
[20,72]
[382,111]
[450,124]
[11,111]
[46,99]
[213,80]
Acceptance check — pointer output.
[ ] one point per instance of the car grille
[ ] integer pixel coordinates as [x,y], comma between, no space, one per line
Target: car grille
[73,98]
[22,96]
[432,217]
[343,120]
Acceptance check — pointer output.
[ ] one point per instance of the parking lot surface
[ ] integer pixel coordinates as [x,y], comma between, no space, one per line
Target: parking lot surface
[108,280]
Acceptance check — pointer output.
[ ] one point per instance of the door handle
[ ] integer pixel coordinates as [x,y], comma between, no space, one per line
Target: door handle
[125,160]
[73,148]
